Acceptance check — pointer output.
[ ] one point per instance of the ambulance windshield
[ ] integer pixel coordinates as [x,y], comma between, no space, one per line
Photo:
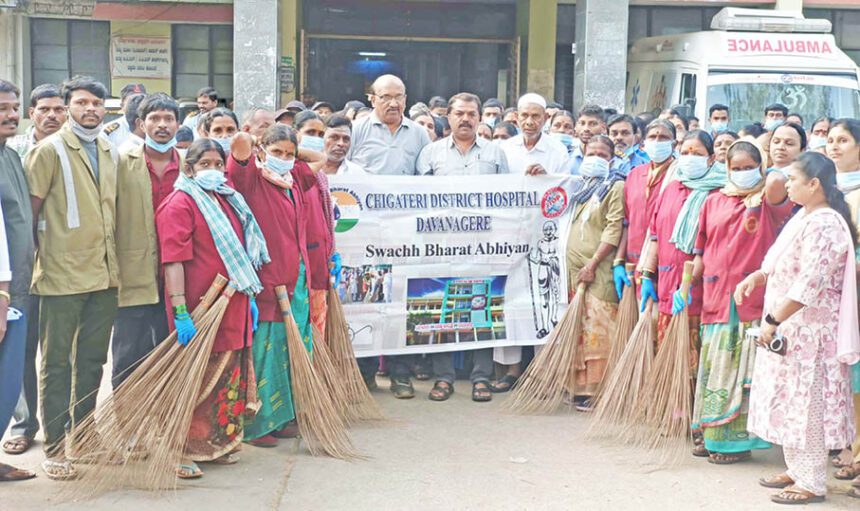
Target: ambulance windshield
[811,96]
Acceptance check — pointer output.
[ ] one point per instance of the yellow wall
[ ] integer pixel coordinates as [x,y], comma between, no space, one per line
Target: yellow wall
[136,28]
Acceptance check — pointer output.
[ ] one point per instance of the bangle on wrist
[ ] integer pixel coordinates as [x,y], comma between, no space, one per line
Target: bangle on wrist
[177,294]
[618,262]
[648,274]
[6,295]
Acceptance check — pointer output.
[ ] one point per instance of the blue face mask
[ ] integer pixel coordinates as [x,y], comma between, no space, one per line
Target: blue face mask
[691,166]
[658,150]
[279,166]
[847,181]
[312,143]
[745,179]
[224,143]
[210,179]
[565,139]
[594,166]
[159,146]
[719,127]
[772,124]
[490,121]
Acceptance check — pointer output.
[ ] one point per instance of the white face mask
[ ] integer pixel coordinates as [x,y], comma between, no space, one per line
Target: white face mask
[594,166]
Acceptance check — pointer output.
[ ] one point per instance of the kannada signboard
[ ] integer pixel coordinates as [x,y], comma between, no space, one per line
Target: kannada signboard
[459,263]
[140,57]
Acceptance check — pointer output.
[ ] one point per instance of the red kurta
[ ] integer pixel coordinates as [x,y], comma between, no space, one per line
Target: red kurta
[639,209]
[184,237]
[670,260]
[733,241]
[282,220]
[163,186]
[319,242]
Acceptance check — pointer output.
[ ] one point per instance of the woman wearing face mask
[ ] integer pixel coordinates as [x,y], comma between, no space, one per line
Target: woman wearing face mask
[786,143]
[594,235]
[279,206]
[801,394]
[818,135]
[721,145]
[642,190]
[561,127]
[220,125]
[205,228]
[736,228]
[323,260]
[674,228]
[843,147]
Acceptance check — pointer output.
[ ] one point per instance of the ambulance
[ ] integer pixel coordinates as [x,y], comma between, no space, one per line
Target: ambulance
[749,59]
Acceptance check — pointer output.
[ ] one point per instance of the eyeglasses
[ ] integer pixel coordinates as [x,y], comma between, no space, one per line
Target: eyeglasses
[388,99]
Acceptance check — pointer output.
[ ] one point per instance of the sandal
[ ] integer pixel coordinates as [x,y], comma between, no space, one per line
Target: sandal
[778,481]
[504,384]
[8,473]
[700,451]
[291,430]
[724,458]
[59,470]
[402,389]
[188,470]
[796,496]
[848,472]
[228,459]
[842,458]
[441,391]
[17,444]
[481,394]
[266,441]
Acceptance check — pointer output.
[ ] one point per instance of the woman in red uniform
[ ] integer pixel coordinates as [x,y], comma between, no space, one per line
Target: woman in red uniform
[205,228]
[279,207]
[641,192]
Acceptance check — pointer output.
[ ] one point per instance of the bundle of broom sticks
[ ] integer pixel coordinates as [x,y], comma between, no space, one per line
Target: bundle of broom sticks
[550,376]
[137,437]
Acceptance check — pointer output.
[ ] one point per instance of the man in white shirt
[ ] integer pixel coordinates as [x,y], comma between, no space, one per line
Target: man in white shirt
[336,142]
[532,151]
[118,131]
[132,118]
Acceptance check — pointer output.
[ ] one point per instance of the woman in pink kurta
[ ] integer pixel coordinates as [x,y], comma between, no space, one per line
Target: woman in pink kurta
[802,398]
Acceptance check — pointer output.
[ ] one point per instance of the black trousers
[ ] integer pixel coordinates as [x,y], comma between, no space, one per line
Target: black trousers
[136,332]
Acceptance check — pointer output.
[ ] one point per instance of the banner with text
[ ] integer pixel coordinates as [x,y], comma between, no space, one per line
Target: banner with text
[436,264]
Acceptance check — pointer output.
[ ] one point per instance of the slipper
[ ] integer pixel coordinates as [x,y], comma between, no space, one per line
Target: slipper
[700,451]
[402,389]
[732,458]
[190,471]
[481,395]
[291,430]
[441,392]
[227,459]
[808,498]
[778,481]
[267,441]
[503,384]
[59,470]
[848,472]
[8,473]
[17,444]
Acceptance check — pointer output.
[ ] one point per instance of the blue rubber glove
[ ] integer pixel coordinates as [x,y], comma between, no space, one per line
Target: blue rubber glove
[185,328]
[648,292]
[255,315]
[336,268]
[678,302]
[619,275]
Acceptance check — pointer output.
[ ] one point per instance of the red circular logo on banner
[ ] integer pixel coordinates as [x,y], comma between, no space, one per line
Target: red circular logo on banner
[554,202]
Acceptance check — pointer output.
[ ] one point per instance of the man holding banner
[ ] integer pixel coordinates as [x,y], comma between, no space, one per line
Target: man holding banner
[460,154]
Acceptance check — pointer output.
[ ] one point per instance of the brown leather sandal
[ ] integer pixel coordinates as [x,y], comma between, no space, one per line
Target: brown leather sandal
[778,481]
[796,496]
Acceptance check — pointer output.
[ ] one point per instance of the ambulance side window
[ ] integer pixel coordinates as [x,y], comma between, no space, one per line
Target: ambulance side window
[688,90]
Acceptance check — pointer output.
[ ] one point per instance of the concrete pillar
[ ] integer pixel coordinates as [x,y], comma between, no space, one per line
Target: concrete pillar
[290,57]
[536,26]
[255,54]
[600,68]
[789,5]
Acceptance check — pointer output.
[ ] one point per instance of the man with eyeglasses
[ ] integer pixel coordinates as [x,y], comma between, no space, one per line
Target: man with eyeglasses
[386,142]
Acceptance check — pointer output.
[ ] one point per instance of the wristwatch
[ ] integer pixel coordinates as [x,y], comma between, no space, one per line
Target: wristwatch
[770,320]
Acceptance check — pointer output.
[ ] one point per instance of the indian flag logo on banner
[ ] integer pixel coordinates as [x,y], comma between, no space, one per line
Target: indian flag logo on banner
[347,208]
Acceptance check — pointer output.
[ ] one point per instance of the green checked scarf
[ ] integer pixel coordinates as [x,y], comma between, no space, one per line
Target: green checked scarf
[687,225]
[241,262]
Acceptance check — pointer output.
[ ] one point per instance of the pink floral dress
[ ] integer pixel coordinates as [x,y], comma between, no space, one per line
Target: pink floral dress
[809,272]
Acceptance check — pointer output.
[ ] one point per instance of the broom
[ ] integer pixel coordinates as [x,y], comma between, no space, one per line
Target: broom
[361,404]
[151,410]
[628,316]
[324,367]
[318,420]
[666,414]
[543,385]
[618,399]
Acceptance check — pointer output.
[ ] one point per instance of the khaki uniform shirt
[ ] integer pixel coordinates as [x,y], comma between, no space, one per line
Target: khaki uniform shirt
[136,239]
[81,259]
[595,223]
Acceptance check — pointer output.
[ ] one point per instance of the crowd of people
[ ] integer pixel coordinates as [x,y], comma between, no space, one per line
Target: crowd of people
[113,231]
